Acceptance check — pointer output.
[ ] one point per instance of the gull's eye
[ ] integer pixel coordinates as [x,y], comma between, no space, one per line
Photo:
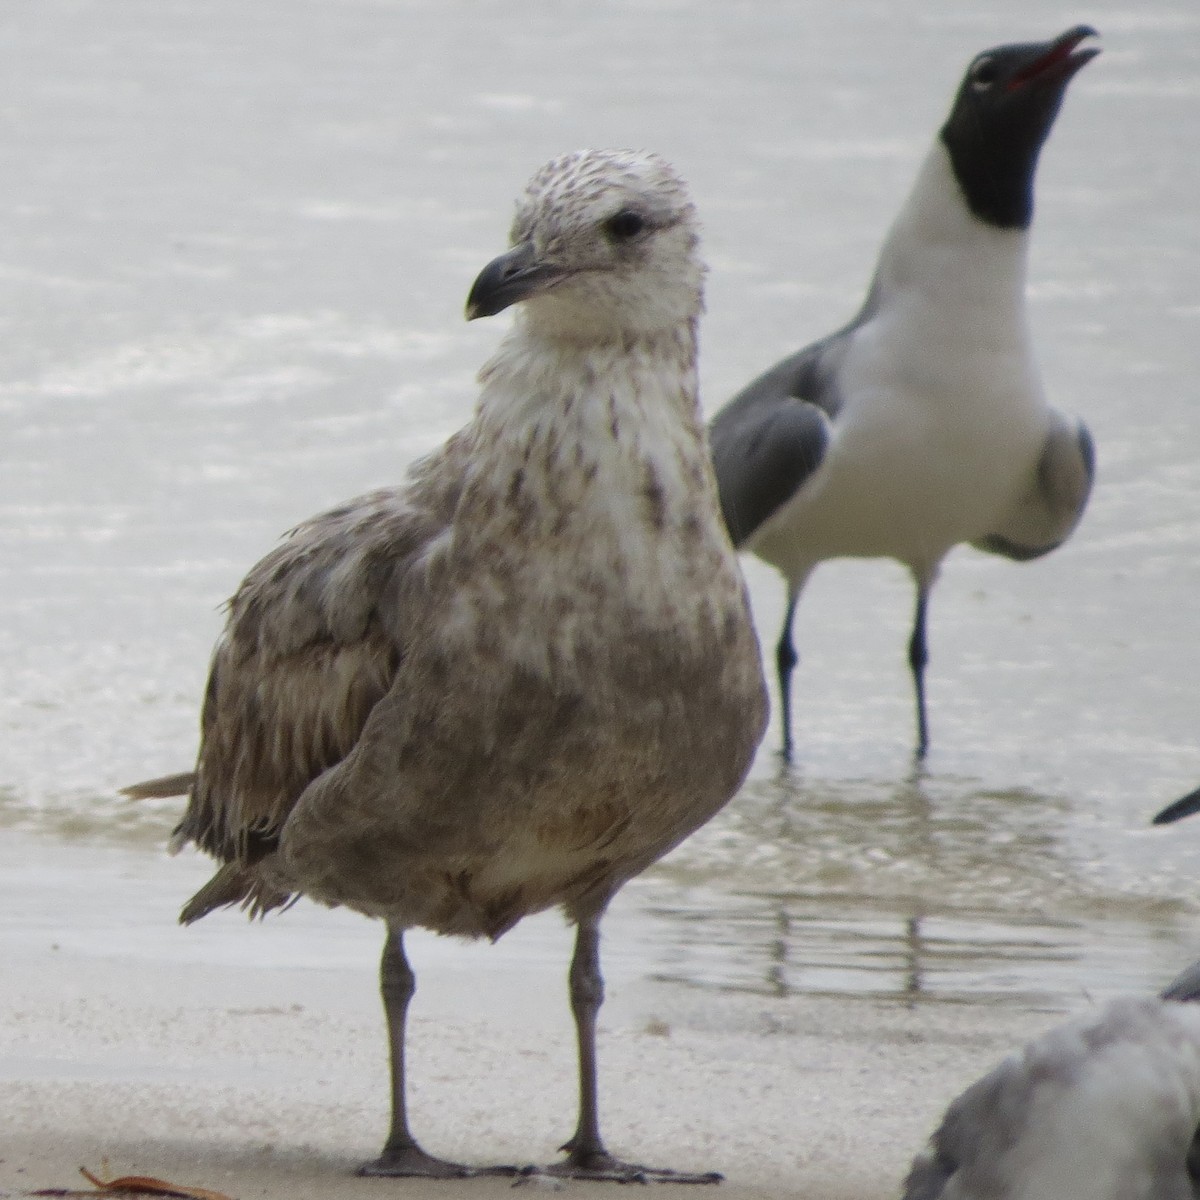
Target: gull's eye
[983,75]
[624,225]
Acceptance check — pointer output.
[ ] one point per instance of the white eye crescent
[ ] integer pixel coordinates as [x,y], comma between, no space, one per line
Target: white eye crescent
[983,74]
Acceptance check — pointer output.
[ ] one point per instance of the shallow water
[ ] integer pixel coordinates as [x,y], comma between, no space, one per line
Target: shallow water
[238,243]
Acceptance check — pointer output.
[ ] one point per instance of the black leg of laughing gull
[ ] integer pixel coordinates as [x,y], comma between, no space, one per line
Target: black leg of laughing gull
[587,1157]
[401,1155]
[918,658]
[786,659]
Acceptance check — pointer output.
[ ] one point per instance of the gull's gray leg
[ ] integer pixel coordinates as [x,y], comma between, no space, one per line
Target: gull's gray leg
[401,1153]
[786,659]
[587,1157]
[587,995]
[918,658]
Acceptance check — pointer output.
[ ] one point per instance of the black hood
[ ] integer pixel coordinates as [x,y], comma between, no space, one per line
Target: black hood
[1002,114]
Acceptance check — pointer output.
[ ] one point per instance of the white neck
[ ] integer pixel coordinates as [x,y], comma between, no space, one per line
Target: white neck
[937,247]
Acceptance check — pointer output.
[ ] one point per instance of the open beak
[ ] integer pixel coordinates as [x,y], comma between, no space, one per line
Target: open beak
[1059,60]
[508,279]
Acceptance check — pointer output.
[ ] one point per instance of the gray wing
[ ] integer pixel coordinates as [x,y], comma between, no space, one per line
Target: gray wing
[972,1119]
[1125,1074]
[1045,516]
[931,1171]
[1185,987]
[770,438]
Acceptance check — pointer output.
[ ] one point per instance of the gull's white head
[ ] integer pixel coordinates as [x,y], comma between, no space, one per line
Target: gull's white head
[604,245]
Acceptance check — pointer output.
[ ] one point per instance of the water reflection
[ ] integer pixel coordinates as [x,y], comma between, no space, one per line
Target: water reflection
[943,836]
[837,946]
[931,888]
[91,817]
[927,889]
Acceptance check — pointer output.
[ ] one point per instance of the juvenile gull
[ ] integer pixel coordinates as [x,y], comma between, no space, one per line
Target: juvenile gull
[922,423]
[517,680]
[1105,1107]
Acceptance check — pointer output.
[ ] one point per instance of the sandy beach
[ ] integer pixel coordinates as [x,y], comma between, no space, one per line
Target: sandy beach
[250,1059]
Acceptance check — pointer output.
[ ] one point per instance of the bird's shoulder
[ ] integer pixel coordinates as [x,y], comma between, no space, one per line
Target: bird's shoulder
[314,639]
[334,575]
[810,375]
[323,583]
[770,438]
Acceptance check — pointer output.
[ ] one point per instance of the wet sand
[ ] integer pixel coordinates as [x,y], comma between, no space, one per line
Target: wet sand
[249,1059]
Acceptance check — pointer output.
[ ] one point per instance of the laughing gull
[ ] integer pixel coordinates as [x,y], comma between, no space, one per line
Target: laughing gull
[1106,1107]
[517,680]
[922,423]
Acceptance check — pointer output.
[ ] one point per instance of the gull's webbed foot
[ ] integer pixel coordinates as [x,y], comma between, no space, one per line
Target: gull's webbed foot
[599,1165]
[410,1161]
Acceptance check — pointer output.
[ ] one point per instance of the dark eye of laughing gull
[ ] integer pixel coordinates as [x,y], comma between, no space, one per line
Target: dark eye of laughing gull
[519,678]
[922,423]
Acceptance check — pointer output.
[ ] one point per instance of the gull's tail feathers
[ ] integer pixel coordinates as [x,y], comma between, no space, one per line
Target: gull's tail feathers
[161,788]
[240,884]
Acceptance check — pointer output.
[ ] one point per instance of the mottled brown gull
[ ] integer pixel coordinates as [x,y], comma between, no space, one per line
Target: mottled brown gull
[518,679]
[1104,1107]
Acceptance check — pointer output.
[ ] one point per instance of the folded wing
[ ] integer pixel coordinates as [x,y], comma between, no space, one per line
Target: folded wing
[771,437]
[1050,509]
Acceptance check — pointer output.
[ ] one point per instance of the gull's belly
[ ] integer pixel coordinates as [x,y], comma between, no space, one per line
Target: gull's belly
[907,483]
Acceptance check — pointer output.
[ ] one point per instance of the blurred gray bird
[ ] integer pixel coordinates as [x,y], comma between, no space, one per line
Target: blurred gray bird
[1185,806]
[922,423]
[1105,1107]
[520,678]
